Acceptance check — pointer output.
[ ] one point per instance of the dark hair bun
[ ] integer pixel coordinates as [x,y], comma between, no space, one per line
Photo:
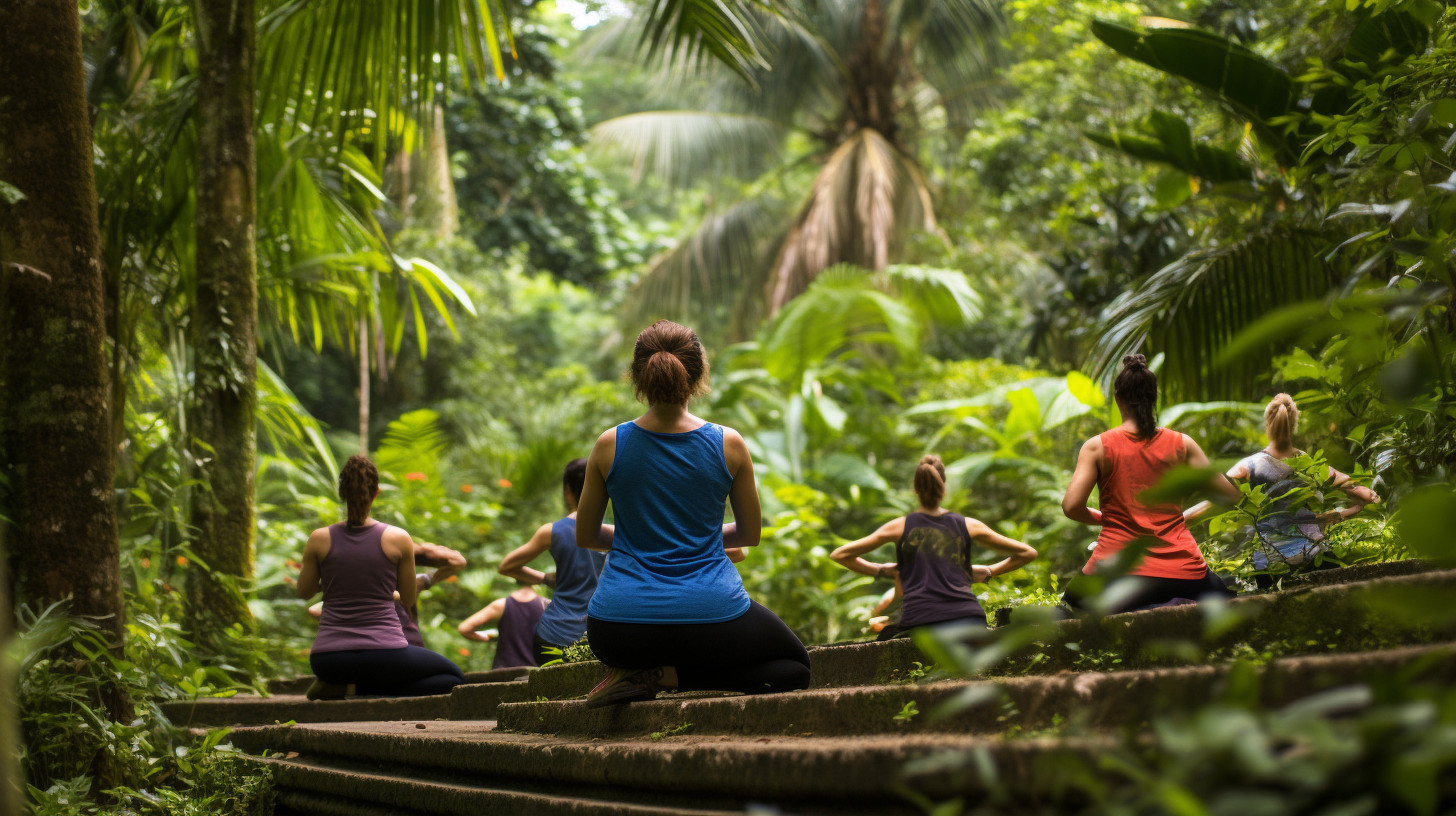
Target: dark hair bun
[1135,361]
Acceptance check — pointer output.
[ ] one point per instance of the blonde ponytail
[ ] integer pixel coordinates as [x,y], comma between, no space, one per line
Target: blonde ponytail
[1281,420]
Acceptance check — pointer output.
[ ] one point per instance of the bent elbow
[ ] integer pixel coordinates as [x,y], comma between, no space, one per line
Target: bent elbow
[1030,554]
[1069,510]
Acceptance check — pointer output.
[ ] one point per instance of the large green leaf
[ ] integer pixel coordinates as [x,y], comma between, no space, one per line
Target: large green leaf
[1194,307]
[1167,139]
[1257,89]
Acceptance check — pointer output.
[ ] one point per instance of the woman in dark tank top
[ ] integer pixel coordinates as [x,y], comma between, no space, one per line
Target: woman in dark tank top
[933,557]
[360,565]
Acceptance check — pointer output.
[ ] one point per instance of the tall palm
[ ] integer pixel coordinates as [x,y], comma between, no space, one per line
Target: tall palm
[854,90]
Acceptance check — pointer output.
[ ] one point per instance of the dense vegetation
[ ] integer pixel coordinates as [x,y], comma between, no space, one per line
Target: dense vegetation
[902,228]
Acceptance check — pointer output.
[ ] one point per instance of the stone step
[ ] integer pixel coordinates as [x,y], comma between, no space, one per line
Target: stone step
[479,703]
[1084,701]
[1334,617]
[332,789]
[1343,617]
[300,684]
[792,774]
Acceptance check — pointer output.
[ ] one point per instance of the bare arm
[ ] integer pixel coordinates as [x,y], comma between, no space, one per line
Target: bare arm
[446,562]
[514,564]
[400,548]
[746,530]
[1218,485]
[491,612]
[591,509]
[1237,473]
[1362,496]
[888,598]
[313,554]
[1084,478]
[1018,553]
[735,554]
[849,555]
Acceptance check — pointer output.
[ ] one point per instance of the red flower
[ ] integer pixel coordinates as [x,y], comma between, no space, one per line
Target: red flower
[181,561]
[466,488]
[414,476]
[464,652]
[452,579]
[146,562]
[504,482]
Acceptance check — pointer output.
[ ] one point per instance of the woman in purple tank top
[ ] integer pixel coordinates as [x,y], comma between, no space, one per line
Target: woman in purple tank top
[360,565]
[933,557]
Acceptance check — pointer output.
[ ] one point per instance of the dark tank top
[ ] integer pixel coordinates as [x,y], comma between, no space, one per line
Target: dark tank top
[517,630]
[358,582]
[934,558]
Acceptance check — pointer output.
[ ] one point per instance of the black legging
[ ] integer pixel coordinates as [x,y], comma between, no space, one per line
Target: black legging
[1151,591]
[754,653]
[413,671]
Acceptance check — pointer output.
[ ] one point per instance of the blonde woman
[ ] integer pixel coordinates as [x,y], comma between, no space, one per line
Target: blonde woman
[1294,535]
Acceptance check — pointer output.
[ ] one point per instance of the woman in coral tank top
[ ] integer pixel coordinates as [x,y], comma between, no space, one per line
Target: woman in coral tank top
[1122,463]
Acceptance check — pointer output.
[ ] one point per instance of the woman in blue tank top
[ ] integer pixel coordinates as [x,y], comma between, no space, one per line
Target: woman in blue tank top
[670,612]
[575,578]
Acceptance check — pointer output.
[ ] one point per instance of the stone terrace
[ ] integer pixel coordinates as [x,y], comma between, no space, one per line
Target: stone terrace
[507,743]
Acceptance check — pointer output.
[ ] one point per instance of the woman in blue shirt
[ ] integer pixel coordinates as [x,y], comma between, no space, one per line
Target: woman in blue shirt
[670,612]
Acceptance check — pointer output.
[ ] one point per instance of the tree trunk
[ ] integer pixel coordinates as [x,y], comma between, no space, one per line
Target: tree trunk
[57,509]
[224,323]
[363,386]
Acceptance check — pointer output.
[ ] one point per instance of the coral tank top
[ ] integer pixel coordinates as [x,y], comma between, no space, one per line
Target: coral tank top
[1130,467]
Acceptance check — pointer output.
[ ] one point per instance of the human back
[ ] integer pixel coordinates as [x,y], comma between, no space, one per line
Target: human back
[668,562]
[1130,466]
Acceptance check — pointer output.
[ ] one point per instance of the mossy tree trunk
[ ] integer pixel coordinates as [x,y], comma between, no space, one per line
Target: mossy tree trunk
[224,323]
[57,508]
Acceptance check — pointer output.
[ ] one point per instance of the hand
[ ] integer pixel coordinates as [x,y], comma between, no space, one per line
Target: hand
[1328,518]
[980,574]
[891,571]
[549,579]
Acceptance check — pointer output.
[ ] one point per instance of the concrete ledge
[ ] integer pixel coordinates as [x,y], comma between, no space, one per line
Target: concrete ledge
[248,710]
[865,771]
[478,701]
[1088,700]
[329,791]
[300,684]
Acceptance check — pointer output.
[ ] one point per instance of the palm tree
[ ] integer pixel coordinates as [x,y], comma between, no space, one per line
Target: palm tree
[854,90]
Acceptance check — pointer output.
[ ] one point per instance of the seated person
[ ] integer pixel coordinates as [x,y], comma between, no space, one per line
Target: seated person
[1121,463]
[362,566]
[575,577]
[1291,535]
[447,563]
[518,613]
[933,558]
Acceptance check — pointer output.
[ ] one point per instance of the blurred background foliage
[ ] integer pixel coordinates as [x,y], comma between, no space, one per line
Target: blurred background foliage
[943,250]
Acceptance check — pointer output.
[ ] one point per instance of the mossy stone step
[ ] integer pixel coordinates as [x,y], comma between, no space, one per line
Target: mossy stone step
[796,774]
[1343,617]
[1086,700]
[329,789]
[480,703]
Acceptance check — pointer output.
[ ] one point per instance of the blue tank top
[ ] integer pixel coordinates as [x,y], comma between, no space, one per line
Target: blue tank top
[564,621]
[667,564]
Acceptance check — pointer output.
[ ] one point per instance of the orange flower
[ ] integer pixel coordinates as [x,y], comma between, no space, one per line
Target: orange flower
[292,564]
[504,482]
[466,488]
[181,561]
[464,652]
[147,562]
[452,579]
[414,476]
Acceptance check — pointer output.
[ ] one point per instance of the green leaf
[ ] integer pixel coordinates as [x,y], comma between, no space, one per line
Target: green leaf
[1085,389]
[1172,189]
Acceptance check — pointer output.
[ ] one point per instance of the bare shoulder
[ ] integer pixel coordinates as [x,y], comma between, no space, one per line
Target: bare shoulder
[734,441]
[976,528]
[608,439]
[1093,446]
[894,527]
[397,541]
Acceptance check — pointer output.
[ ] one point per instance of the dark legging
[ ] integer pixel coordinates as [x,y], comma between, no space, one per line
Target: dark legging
[754,653]
[413,671]
[1151,592]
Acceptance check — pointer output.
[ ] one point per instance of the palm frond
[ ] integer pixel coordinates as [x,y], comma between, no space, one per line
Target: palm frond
[944,296]
[711,268]
[865,200]
[681,147]
[364,68]
[726,30]
[957,47]
[1192,308]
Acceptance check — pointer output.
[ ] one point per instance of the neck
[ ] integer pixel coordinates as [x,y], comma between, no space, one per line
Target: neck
[931,509]
[667,414]
[521,592]
[1279,451]
[365,523]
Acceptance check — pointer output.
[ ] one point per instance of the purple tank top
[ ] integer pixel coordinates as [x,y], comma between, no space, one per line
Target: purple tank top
[934,557]
[517,631]
[358,581]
